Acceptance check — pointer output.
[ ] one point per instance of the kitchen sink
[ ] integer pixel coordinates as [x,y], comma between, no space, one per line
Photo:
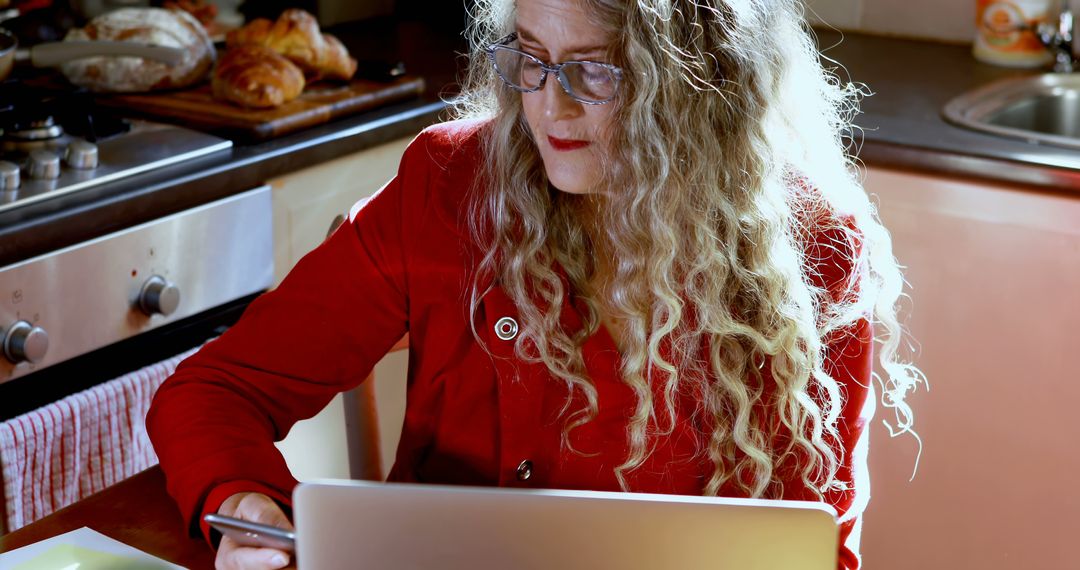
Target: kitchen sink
[1042,108]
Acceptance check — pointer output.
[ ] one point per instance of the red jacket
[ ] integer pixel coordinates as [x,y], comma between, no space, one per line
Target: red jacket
[402,263]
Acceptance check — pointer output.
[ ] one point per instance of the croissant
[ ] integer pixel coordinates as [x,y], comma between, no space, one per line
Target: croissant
[257,77]
[296,36]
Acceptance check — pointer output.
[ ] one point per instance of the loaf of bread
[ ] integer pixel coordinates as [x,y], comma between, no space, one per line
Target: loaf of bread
[256,77]
[155,26]
[296,36]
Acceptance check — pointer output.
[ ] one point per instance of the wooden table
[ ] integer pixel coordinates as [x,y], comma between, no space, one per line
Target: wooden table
[136,511]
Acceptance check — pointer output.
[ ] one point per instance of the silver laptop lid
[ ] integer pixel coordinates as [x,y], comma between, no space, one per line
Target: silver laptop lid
[353,524]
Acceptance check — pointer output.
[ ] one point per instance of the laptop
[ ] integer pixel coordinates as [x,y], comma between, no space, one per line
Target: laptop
[381,526]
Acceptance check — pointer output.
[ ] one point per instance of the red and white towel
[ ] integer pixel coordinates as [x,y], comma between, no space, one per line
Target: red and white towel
[77,446]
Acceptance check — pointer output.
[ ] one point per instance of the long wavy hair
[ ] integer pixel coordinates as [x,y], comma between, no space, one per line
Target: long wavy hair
[724,114]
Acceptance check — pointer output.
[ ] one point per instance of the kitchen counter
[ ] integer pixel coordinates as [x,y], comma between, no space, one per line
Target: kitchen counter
[136,511]
[900,127]
[901,124]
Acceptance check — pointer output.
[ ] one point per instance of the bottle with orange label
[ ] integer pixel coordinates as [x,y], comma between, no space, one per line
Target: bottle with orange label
[1005,32]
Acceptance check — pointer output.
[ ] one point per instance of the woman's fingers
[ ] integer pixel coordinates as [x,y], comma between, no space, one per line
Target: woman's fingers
[259,508]
[232,556]
[255,507]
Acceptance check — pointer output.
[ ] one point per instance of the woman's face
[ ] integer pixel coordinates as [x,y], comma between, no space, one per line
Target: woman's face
[568,133]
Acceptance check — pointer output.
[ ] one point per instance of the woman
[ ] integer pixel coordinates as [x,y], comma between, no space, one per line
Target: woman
[638,261]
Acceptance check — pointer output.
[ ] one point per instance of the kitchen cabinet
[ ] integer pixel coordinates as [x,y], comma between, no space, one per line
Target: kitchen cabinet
[994,272]
[305,203]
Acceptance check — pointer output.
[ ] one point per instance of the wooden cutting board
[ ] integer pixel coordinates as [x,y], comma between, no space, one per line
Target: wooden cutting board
[319,103]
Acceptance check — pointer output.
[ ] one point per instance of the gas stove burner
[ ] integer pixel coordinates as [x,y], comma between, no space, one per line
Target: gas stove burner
[49,167]
[34,130]
[17,145]
[54,139]
[30,113]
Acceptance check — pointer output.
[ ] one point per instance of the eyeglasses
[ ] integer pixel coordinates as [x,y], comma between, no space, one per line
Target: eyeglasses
[589,82]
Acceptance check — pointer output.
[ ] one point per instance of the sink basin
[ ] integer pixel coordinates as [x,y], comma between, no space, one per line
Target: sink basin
[1042,108]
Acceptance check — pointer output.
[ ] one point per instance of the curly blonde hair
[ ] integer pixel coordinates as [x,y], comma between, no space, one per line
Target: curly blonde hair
[724,113]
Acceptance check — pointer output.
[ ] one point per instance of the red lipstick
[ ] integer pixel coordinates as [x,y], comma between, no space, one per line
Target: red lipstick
[564,144]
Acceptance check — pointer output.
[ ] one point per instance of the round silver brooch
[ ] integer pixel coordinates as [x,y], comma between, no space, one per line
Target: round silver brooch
[506,328]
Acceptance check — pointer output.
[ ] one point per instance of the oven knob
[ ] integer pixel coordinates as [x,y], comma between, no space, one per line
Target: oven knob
[82,155]
[25,343]
[9,175]
[159,295]
[44,165]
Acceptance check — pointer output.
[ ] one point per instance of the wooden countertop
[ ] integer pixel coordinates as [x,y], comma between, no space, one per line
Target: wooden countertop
[136,511]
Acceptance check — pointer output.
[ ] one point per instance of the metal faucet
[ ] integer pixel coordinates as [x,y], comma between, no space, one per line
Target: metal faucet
[1058,38]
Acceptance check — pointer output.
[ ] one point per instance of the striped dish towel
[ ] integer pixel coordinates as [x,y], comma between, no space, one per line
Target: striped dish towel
[77,446]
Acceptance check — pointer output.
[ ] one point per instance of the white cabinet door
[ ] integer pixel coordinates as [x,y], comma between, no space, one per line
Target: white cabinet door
[305,203]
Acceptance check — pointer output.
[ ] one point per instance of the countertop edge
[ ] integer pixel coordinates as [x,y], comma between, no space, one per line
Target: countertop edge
[937,162]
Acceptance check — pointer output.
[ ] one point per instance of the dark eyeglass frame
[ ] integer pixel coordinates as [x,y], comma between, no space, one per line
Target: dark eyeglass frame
[546,68]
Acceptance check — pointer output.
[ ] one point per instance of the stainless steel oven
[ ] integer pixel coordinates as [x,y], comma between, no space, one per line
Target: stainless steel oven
[92,311]
[88,333]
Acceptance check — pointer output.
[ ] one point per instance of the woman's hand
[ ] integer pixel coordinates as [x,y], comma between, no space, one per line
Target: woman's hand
[255,507]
